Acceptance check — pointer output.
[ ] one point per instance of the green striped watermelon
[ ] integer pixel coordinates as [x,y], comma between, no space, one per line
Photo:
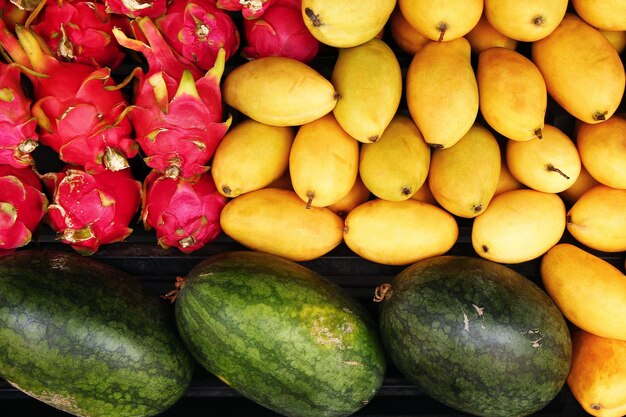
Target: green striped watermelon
[280,334]
[86,338]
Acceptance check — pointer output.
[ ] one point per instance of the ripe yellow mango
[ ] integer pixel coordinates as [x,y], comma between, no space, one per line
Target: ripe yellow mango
[484,36]
[368,80]
[358,195]
[442,92]
[275,221]
[526,21]
[346,23]
[602,149]
[405,35]
[424,194]
[444,20]
[512,92]
[583,183]
[279,91]
[506,182]
[251,156]
[616,38]
[597,377]
[399,232]
[598,219]
[582,70]
[602,14]
[464,177]
[550,164]
[395,166]
[519,226]
[589,291]
[323,163]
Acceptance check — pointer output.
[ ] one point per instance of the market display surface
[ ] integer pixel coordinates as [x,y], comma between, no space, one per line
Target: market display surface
[312,208]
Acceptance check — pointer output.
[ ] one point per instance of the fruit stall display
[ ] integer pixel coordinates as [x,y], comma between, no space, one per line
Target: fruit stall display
[312,208]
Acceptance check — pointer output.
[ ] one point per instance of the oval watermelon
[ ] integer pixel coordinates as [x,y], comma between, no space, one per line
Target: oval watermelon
[475,335]
[280,334]
[86,338]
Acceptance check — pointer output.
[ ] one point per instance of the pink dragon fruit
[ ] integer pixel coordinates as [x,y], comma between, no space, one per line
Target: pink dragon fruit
[197,30]
[80,110]
[184,212]
[89,210]
[18,136]
[81,31]
[22,206]
[280,32]
[11,14]
[250,9]
[136,8]
[177,111]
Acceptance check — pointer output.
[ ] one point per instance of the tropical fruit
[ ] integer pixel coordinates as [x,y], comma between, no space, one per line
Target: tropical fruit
[475,335]
[617,38]
[528,21]
[506,182]
[280,334]
[357,195]
[583,183]
[605,14]
[443,21]
[86,338]
[405,35]
[484,36]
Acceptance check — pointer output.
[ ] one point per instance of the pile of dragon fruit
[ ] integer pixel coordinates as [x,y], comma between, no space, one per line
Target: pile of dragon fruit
[57,89]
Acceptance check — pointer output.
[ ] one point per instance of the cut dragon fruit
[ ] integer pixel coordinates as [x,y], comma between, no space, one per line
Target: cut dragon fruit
[185,213]
[197,30]
[250,9]
[18,136]
[136,8]
[280,32]
[92,210]
[22,206]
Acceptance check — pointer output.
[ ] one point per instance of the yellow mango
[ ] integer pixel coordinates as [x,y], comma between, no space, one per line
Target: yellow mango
[583,183]
[582,70]
[369,82]
[405,35]
[506,182]
[399,232]
[442,92]
[616,38]
[602,14]
[512,92]
[424,194]
[395,166]
[526,21]
[346,23]
[323,163]
[464,177]
[251,156]
[484,36]
[444,20]
[279,91]
[589,291]
[602,149]
[275,221]
[598,219]
[550,164]
[597,377]
[358,195]
[519,226]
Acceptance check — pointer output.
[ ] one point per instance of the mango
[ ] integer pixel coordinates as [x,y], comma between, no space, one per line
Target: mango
[323,162]
[442,92]
[369,81]
[346,23]
[589,291]
[583,183]
[512,92]
[616,38]
[445,20]
[424,194]
[602,149]
[484,36]
[582,70]
[251,156]
[464,177]
[275,221]
[399,232]
[598,219]
[597,377]
[357,195]
[506,181]
[395,166]
[279,91]
[602,14]
[519,226]
[405,35]
[526,21]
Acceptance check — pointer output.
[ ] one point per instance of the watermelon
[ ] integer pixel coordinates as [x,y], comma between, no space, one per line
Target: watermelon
[86,338]
[280,334]
[475,335]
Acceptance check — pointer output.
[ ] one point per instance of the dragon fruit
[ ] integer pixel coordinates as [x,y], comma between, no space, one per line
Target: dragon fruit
[136,8]
[250,9]
[280,32]
[81,31]
[197,30]
[185,213]
[89,210]
[11,14]
[79,109]
[22,206]
[18,136]
[177,111]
